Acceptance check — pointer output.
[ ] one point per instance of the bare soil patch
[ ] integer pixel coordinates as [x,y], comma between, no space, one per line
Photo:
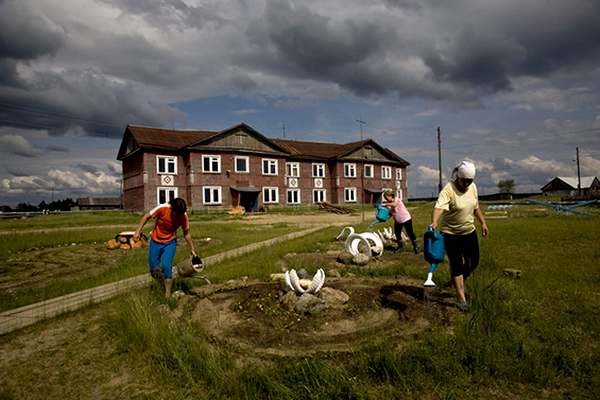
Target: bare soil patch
[250,315]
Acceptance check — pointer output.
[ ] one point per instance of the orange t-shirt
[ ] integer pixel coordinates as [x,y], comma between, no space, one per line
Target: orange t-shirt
[167,223]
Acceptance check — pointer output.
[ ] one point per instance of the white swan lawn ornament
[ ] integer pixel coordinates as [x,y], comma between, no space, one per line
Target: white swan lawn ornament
[353,245]
[372,245]
[389,235]
[375,243]
[294,283]
[342,235]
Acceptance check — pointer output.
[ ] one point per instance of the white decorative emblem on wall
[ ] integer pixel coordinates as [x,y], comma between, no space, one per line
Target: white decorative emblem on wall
[293,182]
[167,180]
[318,183]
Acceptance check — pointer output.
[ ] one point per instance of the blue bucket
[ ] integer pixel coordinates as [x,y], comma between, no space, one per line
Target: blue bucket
[382,214]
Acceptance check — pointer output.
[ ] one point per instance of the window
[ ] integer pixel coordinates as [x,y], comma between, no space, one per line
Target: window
[293,196]
[164,195]
[319,195]
[350,170]
[318,170]
[350,195]
[211,164]
[269,166]
[270,195]
[211,194]
[398,174]
[242,164]
[369,170]
[292,169]
[386,172]
[166,165]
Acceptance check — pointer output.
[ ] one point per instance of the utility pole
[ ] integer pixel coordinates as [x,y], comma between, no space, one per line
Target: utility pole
[439,140]
[578,174]
[362,172]
[283,129]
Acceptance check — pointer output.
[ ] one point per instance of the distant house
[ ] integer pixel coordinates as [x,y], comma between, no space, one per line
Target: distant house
[99,203]
[567,186]
[241,167]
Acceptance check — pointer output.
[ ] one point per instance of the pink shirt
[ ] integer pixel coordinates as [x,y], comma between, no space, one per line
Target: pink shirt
[400,212]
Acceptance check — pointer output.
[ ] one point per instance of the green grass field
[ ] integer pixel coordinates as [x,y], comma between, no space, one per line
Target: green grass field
[38,266]
[528,338]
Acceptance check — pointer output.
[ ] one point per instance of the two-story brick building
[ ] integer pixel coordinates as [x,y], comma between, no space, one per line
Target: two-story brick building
[241,167]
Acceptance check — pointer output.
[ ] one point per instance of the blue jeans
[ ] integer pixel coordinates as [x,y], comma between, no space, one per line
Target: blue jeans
[164,252]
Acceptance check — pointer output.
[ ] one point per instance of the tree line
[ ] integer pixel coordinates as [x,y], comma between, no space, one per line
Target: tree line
[56,205]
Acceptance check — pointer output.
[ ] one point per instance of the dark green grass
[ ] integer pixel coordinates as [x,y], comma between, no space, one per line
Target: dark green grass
[96,265]
[524,338]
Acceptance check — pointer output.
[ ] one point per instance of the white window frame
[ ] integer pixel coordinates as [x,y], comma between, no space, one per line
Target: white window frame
[386,172]
[166,159]
[292,169]
[271,190]
[324,195]
[271,163]
[212,191]
[211,158]
[235,160]
[318,170]
[298,199]
[398,174]
[350,195]
[166,189]
[349,170]
[372,168]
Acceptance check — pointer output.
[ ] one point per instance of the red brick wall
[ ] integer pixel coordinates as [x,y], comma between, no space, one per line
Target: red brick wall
[141,183]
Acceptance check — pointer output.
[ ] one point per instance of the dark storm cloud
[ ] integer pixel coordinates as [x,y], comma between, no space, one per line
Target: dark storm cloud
[26,34]
[536,40]
[8,73]
[16,172]
[79,99]
[88,168]
[80,102]
[472,47]
[18,145]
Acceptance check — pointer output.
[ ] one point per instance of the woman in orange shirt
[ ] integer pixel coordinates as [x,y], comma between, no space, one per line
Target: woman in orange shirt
[163,240]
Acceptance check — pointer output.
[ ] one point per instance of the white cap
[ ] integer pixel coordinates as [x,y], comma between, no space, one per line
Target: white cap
[465,170]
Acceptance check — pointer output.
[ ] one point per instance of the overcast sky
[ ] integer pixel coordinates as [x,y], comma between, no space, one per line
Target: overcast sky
[514,85]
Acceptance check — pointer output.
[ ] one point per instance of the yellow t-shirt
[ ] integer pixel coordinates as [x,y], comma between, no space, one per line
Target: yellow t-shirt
[458,218]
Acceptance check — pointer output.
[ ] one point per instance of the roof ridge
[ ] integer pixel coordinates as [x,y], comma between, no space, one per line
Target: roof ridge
[169,129]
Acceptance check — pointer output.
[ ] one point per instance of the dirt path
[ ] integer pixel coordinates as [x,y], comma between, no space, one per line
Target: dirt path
[308,219]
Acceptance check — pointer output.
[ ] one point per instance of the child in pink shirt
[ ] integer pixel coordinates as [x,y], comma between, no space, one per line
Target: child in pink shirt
[402,219]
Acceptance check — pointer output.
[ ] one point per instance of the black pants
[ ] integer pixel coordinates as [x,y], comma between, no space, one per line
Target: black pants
[463,253]
[409,231]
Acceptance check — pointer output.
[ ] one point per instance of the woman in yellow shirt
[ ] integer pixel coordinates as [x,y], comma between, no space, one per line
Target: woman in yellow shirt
[457,206]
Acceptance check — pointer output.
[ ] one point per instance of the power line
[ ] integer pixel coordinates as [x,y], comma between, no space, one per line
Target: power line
[55,115]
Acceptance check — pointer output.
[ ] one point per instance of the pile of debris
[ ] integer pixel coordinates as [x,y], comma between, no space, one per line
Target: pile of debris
[334,209]
[124,241]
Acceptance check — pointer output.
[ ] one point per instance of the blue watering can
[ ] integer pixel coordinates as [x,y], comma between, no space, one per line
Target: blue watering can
[382,214]
[433,243]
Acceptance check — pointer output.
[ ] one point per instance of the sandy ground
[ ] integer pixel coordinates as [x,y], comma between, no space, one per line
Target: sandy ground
[324,218]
